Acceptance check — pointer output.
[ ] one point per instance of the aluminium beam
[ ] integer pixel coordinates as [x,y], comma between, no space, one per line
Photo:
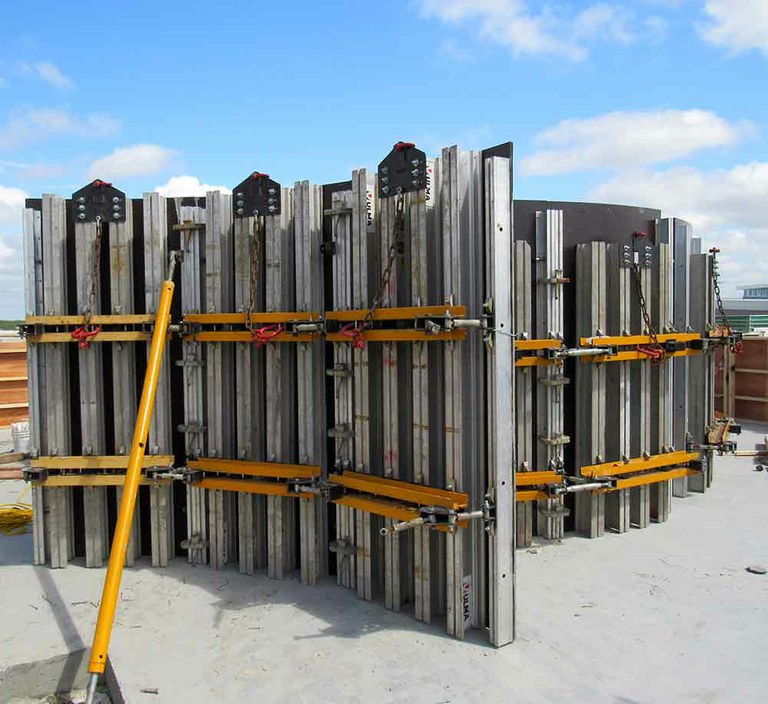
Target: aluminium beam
[124,402]
[279,252]
[219,371]
[524,387]
[248,245]
[365,257]
[662,312]
[677,233]
[618,426]
[342,379]
[58,505]
[89,272]
[464,253]
[310,374]
[640,380]
[501,444]
[190,216]
[159,441]
[33,305]
[591,319]
[549,389]
[701,375]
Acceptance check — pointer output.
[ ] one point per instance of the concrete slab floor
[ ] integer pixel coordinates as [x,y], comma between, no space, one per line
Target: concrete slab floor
[665,614]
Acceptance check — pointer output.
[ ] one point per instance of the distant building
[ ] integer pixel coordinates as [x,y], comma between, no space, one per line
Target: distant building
[750,311]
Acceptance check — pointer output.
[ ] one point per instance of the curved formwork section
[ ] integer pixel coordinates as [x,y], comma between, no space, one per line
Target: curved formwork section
[392,380]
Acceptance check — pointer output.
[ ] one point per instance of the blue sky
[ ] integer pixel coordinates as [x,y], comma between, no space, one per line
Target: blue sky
[650,102]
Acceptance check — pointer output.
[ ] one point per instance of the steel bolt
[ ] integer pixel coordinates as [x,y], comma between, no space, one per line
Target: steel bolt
[240,203]
[385,169]
[81,216]
[116,206]
[81,199]
[115,199]
[385,189]
[272,191]
[238,195]
[239,211]
[272,208]
[81,207]
[116,216]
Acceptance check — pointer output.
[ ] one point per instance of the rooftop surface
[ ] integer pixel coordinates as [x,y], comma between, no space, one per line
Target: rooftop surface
[665,614]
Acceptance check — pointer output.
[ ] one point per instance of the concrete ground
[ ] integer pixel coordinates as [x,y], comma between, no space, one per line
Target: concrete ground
[666,614]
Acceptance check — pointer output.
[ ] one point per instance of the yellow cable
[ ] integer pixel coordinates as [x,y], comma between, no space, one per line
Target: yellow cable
[15,517]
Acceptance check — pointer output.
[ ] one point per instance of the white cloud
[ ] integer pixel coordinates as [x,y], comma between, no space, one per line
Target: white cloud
[136,160]
[39,124]
[738,25]
[11,207]
[725,206]
[185,185]
[548,32]
[624,139]
[48,73]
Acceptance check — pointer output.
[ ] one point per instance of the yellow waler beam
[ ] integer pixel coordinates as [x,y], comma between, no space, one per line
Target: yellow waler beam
[259,318]
[133,319]
[402,491]
[531,495]
[412,313]
[94,480]
[534,362]
[389,509]
[275,470]
[233,336]
[251,487]
[537,345]
[108,336]
[631,356]
[378,507]
[536,478]
[114,575]
[638,464]
[98,462]
[654,478]
[400,336]
[627,340]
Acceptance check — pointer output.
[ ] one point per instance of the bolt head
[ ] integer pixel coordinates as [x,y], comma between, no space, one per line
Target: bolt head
[115,199]
[81,207]
[240,203]
[116,216]
[238,195]
[272,208]
[385,169]
[81,216]
[239,211]
[116,206]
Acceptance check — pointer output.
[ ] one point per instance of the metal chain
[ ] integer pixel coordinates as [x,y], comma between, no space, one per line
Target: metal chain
[93,291]
[255,262]
[716,286]
[644,306]
[398,238]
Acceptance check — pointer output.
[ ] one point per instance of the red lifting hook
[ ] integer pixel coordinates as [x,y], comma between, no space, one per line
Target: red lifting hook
[83,335]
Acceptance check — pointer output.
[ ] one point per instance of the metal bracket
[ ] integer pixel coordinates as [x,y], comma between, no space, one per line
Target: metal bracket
[34,474]
[257,195]
[99,200]
[403,170]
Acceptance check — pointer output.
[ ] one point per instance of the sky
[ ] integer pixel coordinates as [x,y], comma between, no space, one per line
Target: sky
[659,103]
